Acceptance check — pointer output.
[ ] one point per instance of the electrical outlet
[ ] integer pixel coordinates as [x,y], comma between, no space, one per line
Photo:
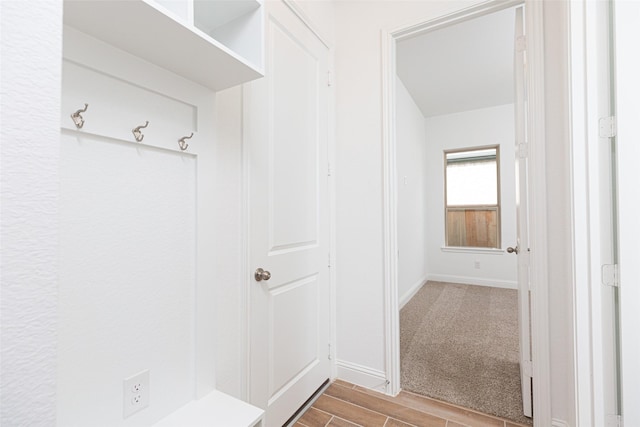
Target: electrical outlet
[476,265]
[135,392]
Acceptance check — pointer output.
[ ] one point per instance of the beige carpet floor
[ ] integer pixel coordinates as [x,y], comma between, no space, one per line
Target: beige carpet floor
[459,343]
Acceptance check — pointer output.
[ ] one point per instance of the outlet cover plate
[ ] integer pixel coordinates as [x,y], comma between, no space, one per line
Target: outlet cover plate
[135,393]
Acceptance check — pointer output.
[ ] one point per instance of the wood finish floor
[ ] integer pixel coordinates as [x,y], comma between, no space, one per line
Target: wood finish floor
[346,405]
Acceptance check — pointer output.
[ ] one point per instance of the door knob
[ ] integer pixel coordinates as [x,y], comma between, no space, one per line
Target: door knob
[261,275]
[512,250]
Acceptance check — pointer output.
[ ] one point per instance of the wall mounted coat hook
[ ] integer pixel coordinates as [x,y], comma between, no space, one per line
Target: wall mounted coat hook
[137,134]
[77,118]
[182,143]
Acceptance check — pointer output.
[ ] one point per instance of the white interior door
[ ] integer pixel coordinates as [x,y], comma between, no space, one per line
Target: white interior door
[286,134]
[522,247]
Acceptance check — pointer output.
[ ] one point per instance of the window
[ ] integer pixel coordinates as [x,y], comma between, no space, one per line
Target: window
[472,197]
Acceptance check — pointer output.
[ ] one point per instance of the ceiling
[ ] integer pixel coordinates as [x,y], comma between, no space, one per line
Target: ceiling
[461,67]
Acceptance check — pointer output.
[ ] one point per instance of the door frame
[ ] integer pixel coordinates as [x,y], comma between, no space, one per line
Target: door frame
[537,179]
[246,268]
[590,389]
[584,45]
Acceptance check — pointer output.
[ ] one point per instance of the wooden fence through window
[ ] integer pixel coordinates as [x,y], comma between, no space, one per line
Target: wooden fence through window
[472,227]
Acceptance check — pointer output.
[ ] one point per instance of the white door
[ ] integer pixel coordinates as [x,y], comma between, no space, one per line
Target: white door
[286,134]
[522,246]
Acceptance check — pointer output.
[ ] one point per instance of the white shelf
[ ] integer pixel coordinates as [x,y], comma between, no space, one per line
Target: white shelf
[158,35]
[215,409]
[210,15]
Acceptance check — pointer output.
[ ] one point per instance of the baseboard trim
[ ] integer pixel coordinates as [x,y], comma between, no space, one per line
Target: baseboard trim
[467,280]
[362,376]
[558,423]
[411,292]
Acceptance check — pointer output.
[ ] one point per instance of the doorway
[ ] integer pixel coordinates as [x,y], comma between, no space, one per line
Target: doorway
[456,133]
[534,146]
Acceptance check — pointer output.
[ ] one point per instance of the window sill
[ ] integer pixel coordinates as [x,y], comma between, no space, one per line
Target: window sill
[486,251]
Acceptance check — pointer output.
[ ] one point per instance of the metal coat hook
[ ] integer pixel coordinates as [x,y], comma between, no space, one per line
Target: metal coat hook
[182,143]
[77,118]
[137,134]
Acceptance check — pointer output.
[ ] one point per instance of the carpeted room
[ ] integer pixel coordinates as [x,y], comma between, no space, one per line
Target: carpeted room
[459,344]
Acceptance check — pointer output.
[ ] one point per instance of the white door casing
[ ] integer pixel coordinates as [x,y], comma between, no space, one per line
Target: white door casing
[627,69]
[605,110]
[522,245]
[286,134]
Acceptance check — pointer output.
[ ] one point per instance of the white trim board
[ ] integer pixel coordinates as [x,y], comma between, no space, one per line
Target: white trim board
[538,238]
[538,207]
[587,337]
[361,375]
[470,280]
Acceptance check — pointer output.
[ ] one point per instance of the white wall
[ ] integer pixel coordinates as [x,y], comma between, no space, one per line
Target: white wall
[30,50]
[127,279]
[359,266]
[230,297]
[321,15]
[413,216]
[487,126]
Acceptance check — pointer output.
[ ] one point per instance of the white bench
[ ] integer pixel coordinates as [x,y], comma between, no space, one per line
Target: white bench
[216,409]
